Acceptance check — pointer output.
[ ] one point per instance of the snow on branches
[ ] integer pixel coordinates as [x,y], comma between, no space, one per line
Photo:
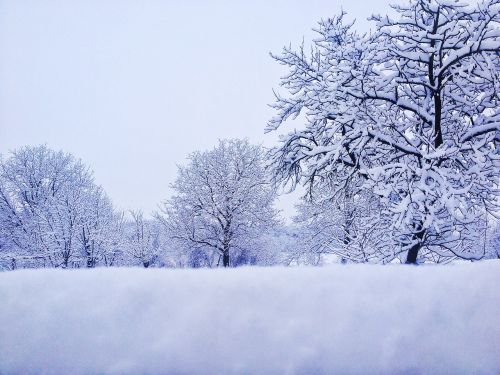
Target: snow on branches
[51,212]
[410,110]
[222,203]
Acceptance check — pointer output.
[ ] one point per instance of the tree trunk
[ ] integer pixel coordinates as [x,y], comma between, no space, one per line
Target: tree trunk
[411,257]
[88,251]
[145,263]
[225,258]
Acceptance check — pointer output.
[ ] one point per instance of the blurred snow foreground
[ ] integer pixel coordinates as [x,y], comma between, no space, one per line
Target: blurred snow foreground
[338,319]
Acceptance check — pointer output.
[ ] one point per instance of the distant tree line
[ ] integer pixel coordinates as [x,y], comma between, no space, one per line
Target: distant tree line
[396,142]
[52,214]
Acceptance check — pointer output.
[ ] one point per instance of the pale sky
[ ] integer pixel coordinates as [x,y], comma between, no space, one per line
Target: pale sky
[133,87]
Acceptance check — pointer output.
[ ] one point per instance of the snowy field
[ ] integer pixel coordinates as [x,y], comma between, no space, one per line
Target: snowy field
[354,319]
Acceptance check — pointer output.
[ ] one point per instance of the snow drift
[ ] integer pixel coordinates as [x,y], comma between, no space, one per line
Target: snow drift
[350,319]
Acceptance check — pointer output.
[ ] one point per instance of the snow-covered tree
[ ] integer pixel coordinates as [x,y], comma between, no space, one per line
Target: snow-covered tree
[51,212]
[411,111]
[101,234]
[142,239]
[223,203]
[351,226]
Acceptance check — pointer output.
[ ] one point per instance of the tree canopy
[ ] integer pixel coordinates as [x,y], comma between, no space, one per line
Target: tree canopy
[409,112]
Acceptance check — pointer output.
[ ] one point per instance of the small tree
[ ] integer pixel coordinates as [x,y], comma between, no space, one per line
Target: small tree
[101,231]
[142,239]
[411,111]
[350,226]
[223,201]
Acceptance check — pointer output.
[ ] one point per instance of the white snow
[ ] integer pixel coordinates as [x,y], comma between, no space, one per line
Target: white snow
[352,319]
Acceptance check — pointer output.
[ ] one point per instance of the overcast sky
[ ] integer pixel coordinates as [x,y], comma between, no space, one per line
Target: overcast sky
[132,87]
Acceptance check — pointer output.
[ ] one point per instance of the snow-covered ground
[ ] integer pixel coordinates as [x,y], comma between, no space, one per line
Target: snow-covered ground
[353,319]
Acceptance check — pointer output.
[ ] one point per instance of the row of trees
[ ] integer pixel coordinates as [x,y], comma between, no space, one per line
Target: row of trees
[52,214]
[397,145]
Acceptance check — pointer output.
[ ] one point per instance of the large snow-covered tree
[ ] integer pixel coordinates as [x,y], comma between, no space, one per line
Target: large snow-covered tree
[223,202]
[410,110]
[51,212]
